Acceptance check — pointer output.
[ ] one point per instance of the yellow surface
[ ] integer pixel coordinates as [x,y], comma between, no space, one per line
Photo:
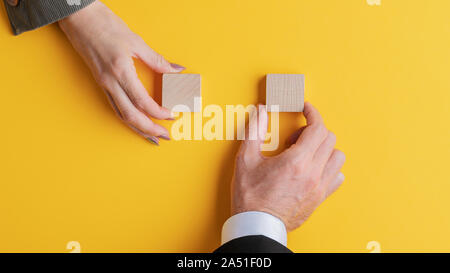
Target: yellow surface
[71,171]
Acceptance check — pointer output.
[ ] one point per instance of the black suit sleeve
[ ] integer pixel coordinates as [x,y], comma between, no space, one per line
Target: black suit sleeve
[253,244]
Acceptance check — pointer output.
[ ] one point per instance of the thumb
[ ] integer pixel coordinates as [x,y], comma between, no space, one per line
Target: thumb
[155,61]
[256,131]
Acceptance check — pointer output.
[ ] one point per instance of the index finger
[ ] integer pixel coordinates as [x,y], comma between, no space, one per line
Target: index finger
[139,96]
[312,115]
[312,136]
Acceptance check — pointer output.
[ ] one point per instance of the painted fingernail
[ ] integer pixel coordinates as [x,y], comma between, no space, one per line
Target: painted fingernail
[166,137]
[153,140]
[177,67]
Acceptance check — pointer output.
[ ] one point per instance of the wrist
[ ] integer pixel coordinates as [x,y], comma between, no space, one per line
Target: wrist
[239,210]
[78,17]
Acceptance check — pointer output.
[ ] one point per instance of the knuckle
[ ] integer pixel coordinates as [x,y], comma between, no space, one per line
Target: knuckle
[103,79]
[140,102]
[129,117]
[340,155]
[118,71]
[150,129]
[332,137]
[137,41]
[341,178]
[160,61]
[119,66]
[323,130]
[314,177]
[301,166]
[320,129]
[314,127]
[245,158]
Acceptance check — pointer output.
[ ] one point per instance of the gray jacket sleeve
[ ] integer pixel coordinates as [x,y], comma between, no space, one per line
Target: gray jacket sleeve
[32,14]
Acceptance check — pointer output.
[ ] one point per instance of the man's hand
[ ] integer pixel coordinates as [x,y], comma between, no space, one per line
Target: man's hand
[292,185]
[108,46]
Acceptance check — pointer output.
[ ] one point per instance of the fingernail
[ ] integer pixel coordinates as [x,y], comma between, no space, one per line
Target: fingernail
[153,140]
[172,116]
[166,137]
[177,67]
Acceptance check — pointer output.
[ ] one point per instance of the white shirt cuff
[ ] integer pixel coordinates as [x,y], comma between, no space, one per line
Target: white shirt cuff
[254,223]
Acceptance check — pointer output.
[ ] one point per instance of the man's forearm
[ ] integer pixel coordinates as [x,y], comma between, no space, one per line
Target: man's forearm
[25,15]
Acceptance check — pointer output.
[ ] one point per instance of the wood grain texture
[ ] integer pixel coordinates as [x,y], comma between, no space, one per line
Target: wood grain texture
[181,89]
[286,91]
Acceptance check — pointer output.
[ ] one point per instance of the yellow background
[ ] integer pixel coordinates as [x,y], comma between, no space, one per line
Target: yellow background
[71,171]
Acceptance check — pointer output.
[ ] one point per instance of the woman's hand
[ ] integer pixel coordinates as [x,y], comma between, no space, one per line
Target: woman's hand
[108,46]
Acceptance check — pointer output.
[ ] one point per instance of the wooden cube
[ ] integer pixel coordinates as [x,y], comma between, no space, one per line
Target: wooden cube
[286,91]
[181,89]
